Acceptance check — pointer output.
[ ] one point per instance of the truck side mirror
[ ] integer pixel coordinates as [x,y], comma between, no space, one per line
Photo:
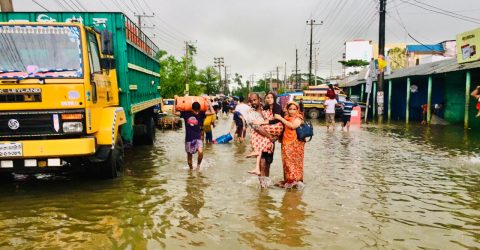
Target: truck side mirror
[107,42]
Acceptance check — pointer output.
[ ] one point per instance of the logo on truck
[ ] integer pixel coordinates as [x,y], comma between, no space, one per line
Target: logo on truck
[13,124]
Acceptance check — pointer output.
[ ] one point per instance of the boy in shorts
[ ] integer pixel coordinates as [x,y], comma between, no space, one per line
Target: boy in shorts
[193,132]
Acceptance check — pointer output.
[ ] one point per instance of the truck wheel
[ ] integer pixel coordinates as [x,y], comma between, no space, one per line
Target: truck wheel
[313,113]
[113,166]
[149,137]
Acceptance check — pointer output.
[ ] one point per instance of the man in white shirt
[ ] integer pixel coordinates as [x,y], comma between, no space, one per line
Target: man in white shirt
[330,112]
[242,107]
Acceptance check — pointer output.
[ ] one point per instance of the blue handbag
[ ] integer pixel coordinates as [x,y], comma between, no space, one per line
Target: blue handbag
[305,130]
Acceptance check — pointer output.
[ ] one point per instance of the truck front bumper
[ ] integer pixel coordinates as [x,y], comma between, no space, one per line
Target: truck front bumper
[44,153]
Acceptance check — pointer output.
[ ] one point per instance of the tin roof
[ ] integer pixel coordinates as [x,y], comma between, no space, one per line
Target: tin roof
[445,66]
[440,67]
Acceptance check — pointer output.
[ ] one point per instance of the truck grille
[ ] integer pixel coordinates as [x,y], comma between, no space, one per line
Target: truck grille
[12,98]
[30,124]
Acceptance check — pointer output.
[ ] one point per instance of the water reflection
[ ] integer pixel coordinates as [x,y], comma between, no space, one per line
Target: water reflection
[290,224]
[193,201]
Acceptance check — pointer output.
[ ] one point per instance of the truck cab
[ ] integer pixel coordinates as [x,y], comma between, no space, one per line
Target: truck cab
[60,100]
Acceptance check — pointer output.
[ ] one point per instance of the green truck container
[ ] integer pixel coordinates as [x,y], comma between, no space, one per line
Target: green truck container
[120,98]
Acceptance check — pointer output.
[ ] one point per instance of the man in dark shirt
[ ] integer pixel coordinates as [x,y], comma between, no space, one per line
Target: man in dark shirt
[301,105]
[347,112]
[193,132]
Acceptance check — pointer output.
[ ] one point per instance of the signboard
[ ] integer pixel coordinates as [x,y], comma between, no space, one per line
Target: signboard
[468,44]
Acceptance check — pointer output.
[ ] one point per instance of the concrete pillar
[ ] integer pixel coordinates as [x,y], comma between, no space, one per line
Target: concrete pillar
[429,100]
[361,92]
[467,99]
[350,91]
[389,100]
[407,106]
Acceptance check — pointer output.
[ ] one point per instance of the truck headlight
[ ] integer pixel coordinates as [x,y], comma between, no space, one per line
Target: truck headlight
[72,127]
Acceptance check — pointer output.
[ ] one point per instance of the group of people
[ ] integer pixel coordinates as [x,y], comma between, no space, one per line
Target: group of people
[266,123]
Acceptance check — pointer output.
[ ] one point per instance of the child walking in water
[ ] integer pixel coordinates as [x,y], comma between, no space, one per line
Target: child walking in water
[267,130]
[476,94]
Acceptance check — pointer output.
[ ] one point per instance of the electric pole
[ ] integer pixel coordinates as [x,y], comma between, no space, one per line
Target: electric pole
[381,51]
[311,23]
[139,18]
[285,77]
[278,77]
[6,6]
[187,46]
[265,81]
[219,63]
[296,69]
[225,88]
[316,66]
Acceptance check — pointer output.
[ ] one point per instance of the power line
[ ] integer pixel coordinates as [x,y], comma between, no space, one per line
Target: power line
[79,4]
[41,6]
[442,13]
[69,6]
[61,5]
[447,11]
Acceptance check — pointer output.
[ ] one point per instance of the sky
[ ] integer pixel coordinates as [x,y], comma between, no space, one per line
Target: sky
[256,36]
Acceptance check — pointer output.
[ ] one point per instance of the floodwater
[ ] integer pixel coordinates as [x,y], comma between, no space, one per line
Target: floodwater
[379,187]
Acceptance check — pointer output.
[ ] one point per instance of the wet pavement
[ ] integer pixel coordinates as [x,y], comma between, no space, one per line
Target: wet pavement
[380,187]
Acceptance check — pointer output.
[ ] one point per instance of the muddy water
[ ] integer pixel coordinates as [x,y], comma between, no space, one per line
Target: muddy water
[386,187]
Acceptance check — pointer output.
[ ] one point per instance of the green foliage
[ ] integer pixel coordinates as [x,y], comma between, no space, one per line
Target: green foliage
[238,80]
[243,91]
[172,77]
[209,77]
[354,63]
[398,58]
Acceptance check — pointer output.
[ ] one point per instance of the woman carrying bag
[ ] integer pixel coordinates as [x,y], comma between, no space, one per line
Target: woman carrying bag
[293,149]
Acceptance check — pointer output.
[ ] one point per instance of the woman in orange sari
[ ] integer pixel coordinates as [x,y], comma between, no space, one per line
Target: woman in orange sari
[292,149]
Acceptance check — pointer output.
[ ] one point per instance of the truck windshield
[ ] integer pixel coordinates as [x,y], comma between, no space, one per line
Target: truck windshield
[40,52]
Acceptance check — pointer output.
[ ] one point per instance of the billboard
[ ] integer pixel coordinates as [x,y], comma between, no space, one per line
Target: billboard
[468,44]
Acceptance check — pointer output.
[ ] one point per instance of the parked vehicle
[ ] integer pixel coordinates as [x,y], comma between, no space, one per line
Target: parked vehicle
[313,105]
[167,106]
[75,89]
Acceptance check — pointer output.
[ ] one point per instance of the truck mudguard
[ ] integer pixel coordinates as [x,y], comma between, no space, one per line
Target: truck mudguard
[112,119]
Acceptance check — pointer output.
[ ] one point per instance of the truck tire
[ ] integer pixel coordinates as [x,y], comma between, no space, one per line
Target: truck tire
[113,166]
[314,113]
[149,137]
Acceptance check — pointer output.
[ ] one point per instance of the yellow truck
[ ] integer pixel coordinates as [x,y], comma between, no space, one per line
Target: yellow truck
[75,89]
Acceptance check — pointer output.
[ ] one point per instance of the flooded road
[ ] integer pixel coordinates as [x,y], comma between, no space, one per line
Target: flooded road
[381,187]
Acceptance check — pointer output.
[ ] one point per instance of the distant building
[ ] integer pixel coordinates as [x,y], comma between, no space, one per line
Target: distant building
[357,50]
[426,53]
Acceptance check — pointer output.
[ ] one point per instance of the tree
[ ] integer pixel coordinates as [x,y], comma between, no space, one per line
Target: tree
[238,80]
[398,58]
[354,63]
[172,77]
[209,77]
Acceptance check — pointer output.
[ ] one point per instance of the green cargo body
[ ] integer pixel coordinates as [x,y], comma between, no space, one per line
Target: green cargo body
[137,69]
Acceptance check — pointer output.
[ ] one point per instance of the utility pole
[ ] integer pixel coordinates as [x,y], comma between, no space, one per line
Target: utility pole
[187,52]
[381,51]
[296,69]
[139,18]
[311,23]
[6,6]
[316,66]
[271,76]
[278,79]
[225,87]
[265,81]
[219,63]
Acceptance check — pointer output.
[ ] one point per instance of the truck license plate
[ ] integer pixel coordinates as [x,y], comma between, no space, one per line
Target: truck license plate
[11,149]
